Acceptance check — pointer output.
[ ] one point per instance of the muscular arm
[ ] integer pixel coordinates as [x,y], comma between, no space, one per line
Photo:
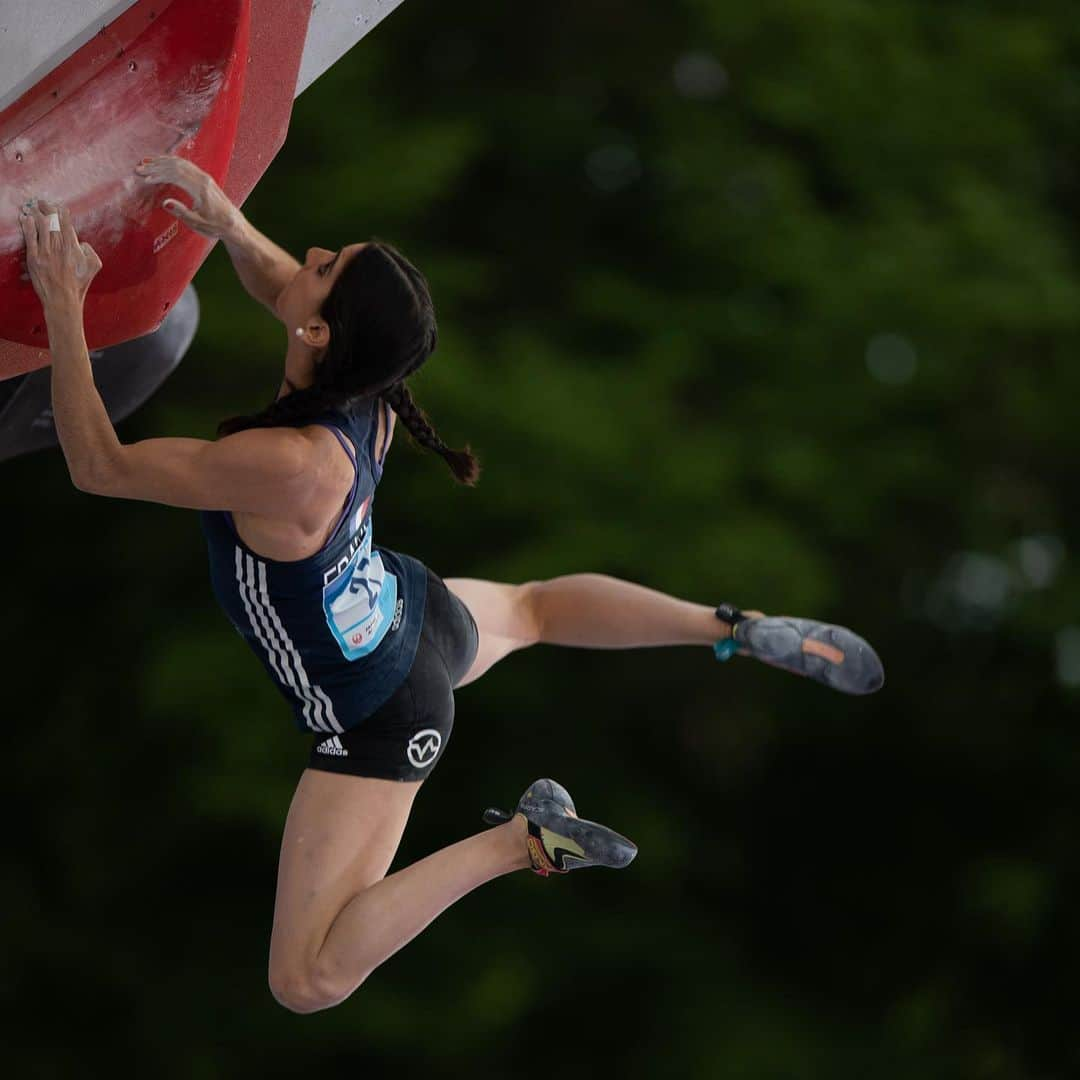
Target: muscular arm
[264,268]
[273,472]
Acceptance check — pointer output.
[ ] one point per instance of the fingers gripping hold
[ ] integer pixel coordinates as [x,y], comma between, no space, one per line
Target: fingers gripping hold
[30,235]
[211,212]
[67,229]
[58,264]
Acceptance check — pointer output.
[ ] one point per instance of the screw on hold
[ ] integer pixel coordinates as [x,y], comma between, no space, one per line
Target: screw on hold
[164,307]
[18,155]
[132,66]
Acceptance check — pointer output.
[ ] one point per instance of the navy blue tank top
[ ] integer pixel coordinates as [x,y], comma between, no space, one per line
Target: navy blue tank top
[337,631]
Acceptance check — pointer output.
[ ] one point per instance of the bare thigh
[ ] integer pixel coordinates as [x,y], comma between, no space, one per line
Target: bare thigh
[340,837]
[505,618]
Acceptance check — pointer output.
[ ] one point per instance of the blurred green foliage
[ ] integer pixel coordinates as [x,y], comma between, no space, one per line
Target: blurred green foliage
[776,303]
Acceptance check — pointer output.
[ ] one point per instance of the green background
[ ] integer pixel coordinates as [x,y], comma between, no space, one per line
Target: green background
[777,303]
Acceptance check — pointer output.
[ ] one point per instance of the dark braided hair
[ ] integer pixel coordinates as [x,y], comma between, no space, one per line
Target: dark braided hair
[462,463]
[382,329]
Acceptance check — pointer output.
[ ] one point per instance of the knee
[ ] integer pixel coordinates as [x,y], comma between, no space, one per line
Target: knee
[306,990]
[297,992]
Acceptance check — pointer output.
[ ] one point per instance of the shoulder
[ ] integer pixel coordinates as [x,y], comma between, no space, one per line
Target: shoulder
[294,456]
[323,443]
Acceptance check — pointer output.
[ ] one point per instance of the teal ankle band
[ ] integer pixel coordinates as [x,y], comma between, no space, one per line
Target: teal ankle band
[725,649]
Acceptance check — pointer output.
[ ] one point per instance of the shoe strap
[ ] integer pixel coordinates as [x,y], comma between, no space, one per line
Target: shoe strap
[726,648]
[542,863]
[730,614]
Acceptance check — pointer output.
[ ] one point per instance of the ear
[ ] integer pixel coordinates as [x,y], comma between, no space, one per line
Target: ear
[316,334]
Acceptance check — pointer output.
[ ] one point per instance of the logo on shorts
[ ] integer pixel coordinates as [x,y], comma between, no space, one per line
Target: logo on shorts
[424,748]
[397,615]
[332,746]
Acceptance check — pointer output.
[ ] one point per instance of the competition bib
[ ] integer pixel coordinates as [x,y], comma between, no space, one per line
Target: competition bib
[359,598]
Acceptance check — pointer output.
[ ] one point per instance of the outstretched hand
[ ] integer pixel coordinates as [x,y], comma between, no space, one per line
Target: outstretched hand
[61,268]
[211,213]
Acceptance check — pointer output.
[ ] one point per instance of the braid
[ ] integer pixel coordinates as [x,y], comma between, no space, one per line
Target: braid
[462,462]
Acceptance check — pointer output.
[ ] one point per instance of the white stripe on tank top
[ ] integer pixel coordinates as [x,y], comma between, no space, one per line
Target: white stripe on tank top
[318,710]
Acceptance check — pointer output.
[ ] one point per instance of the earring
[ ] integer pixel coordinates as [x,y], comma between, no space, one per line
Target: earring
[299,331]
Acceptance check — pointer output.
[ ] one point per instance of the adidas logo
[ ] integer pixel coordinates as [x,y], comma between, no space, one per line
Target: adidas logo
[397,615]
[332,746]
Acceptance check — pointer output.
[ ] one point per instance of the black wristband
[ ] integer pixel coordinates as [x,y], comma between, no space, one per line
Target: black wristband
[730,614]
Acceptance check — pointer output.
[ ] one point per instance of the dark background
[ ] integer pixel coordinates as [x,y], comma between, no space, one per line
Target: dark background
[776,303]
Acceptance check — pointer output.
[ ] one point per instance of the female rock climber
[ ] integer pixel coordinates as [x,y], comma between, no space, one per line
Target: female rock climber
[366,645]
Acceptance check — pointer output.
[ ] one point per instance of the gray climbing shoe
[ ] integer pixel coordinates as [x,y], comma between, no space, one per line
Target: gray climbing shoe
[829,654]
[560,841]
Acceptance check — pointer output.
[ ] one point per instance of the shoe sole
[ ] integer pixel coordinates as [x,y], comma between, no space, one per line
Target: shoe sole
[589,843]
[804,647]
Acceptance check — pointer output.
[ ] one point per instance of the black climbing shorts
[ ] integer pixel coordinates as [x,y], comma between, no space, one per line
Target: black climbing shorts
[404,737]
